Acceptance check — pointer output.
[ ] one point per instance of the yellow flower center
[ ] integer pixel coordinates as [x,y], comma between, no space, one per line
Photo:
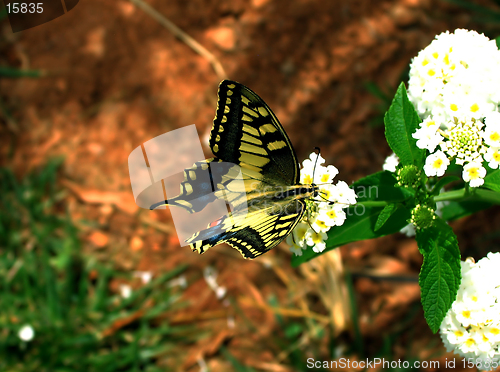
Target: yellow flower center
[332,214]
[453,107]
[316,237]
[473,173]
[437,163]
[474,107]
[326,194]
[494,136]
[470,342]
[301,232]
[321,224]
[308,180]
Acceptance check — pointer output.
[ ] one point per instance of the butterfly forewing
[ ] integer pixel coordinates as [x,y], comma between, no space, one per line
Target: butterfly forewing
[246,132]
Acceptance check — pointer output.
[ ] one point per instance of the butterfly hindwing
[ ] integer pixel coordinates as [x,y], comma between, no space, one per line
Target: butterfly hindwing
[260,230]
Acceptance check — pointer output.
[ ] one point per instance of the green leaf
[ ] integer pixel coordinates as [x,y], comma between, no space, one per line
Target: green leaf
[479,13]
[380,186]
[455,210]
[359,225]
[384,215]
[439,277]
[400,122]
[492,180]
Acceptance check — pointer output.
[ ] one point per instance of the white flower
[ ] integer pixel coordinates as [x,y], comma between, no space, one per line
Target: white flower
[26,333]
[436,164]
[145,276]
[125,290]
[342,194]
[474,174]
[493,118]
[210,275]
[294,248]
[321,222]
[427,135]
[492,156]
[315,172]
[316,240]
[296,240]
[408,230]
[471,328]
[492,135]
[390,163]
[334,215]
[179,281]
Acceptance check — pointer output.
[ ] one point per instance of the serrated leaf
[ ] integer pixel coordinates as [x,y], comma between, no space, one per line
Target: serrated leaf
[439,277]
[359,225]
[400,122]
[384,215]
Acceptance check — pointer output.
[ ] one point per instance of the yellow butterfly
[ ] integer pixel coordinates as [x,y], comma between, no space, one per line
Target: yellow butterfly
[268,201]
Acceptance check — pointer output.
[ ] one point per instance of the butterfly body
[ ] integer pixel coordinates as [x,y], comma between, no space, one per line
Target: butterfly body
[255,170]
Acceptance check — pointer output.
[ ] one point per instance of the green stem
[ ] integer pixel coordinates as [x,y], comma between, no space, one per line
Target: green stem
[469,195]
[372,203]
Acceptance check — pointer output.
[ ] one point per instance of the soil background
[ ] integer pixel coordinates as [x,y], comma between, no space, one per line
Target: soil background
[114,78]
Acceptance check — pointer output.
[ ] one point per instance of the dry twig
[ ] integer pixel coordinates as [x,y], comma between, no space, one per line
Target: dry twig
[182,36]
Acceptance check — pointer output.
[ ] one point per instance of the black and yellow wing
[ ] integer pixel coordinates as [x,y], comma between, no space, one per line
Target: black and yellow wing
[255,170]
[246,132]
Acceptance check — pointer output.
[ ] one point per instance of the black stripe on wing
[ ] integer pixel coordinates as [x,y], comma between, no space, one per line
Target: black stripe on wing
[246,132]
[254,233]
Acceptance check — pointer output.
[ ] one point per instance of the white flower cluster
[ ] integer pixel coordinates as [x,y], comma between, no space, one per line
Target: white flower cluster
[321,214]
[456,76]
[471,327]
[455,88]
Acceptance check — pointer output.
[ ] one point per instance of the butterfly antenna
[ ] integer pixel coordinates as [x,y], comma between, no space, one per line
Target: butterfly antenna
[330,202]
[318,151]
[312,228]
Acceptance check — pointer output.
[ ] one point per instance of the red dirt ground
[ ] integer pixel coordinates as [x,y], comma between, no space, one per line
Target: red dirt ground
[115,78]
